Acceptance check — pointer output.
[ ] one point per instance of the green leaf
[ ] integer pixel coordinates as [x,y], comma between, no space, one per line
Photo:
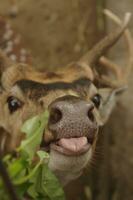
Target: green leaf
[44,156]
[22,190]
[30,126]
[51,185]
[16,167]
[26,178]
[44,183]
[34,129]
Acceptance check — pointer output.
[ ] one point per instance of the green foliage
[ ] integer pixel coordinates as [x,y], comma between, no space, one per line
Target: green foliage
[30,177]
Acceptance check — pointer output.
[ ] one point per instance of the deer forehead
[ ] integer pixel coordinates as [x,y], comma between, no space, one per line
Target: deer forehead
[36,91]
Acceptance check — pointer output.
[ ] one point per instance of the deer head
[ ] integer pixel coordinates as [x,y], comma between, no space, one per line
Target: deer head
[79,98]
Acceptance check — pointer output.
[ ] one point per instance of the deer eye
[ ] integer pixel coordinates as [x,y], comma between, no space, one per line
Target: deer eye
[14,104]
[96,99]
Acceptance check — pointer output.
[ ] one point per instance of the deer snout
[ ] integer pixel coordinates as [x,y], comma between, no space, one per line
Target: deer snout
[72,117]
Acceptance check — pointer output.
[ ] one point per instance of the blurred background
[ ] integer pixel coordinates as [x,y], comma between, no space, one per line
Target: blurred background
[60,31]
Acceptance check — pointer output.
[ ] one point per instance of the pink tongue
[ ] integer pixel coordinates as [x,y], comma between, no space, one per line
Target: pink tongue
[73,144]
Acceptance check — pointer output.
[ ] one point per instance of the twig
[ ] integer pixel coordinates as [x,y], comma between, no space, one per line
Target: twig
[7,182]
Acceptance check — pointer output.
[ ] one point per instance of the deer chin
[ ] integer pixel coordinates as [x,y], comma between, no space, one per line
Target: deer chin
[68,158]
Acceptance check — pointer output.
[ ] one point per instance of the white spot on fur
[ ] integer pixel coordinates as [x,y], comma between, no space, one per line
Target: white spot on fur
[23,59]
[17,40]
[13,57]
[8,49]
[23,51]
[8,34]
[8,26]
[10,43]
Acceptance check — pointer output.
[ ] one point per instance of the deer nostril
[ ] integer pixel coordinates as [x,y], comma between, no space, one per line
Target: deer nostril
[55,116]
[90,113]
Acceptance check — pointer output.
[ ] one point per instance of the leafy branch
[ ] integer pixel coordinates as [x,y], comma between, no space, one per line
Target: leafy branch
[32,179]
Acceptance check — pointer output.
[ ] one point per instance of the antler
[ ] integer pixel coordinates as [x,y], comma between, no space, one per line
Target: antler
[92,57]
[120,75]
[96,54]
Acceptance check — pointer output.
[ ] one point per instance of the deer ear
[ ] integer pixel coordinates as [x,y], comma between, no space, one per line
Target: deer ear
[16,72]
[109,99]
[5,63]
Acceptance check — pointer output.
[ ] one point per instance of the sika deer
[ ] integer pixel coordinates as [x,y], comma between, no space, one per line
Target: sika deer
[79,98]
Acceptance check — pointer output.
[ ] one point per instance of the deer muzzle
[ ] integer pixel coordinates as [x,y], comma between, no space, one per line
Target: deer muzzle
[72,124]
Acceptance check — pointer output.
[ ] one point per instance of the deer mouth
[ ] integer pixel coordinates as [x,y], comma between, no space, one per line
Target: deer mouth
[71,146]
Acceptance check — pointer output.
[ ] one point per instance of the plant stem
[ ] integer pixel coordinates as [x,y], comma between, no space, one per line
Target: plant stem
[7,182]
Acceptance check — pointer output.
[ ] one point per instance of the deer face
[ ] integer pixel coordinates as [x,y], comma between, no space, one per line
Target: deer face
[73,105]
[77,104]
